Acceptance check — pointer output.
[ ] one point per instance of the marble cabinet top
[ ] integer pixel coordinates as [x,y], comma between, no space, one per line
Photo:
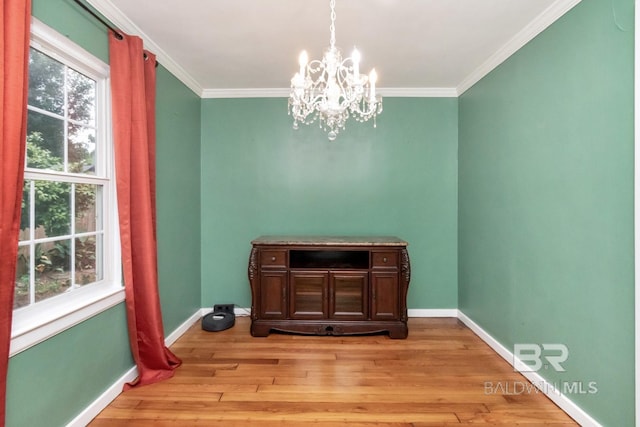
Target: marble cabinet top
[329,241]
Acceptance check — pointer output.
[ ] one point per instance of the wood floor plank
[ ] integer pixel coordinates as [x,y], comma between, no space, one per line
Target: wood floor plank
[220,379]
[417,397]
[193,411]
[436,377]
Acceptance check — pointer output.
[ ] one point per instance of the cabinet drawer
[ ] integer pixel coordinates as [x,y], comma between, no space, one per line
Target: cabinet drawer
[387,259]
[273,258]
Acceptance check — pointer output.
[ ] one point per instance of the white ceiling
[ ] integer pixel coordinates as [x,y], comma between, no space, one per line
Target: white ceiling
[250,47]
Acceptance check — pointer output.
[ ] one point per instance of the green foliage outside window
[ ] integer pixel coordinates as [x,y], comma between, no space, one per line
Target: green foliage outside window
[61,137]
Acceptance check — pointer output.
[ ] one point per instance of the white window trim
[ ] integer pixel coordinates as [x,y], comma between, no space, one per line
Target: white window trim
[34,324]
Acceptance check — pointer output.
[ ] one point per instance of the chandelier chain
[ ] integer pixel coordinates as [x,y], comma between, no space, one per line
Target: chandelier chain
[332,27]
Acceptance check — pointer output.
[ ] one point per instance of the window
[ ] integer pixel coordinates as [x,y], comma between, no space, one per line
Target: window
[68,259]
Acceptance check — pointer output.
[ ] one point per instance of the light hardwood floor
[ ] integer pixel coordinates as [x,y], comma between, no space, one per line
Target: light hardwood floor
[439,376]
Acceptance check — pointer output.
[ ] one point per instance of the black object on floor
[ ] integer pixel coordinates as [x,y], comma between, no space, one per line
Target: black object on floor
[222,317]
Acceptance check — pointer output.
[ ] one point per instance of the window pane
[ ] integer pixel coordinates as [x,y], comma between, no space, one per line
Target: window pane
[21,294]
[45,142]
[25,231]
[87,252]
[52,208]
[62,235]
[82,149]
[87,202]
[81,97]
[53,266]
[46,82]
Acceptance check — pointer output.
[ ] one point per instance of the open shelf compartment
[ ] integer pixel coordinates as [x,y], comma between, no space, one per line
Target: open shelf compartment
[325,259]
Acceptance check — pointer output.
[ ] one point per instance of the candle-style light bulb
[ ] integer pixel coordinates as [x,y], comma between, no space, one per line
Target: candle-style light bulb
[373,77]
[302,60]
[355,56]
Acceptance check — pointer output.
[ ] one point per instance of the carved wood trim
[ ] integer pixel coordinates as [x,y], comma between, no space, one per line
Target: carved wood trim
[252,270]
[253,264]
[405,275]
[405,266]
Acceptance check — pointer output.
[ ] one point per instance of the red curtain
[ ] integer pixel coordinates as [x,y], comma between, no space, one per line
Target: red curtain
[133,80]
[14,78]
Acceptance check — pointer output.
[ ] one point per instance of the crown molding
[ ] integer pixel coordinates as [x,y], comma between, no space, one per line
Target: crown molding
[121,21]
[246,93]
[419,92]
[400,92]
[535,27]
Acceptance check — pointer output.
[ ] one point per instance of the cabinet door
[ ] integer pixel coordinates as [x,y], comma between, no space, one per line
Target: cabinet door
[349,296]
[308,295]
[273,294]
[384,301]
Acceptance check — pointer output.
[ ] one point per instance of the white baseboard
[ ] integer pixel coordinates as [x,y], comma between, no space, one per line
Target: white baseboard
[432,312]
[568,406]
[238,311]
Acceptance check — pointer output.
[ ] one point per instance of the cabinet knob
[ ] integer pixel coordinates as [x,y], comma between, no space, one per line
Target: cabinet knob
[384,259]
[273,259]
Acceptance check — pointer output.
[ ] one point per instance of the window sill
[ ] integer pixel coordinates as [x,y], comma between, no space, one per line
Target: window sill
[35,324]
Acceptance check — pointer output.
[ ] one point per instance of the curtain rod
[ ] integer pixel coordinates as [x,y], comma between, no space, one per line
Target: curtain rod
[102,21]
[116,31]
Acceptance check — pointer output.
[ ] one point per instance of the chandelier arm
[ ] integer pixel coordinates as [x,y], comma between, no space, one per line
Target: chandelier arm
[342,77]
[314,66]
[364,110]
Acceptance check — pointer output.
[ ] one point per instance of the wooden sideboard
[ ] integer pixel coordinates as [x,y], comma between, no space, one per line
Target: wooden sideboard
[329,285]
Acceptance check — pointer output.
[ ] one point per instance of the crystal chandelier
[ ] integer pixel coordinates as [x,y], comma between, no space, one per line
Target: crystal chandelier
[332,89]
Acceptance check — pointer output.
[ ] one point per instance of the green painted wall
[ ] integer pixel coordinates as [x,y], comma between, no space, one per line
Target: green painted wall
[70,20]
[259,176]
[178,199]
[546,202]
[51,383]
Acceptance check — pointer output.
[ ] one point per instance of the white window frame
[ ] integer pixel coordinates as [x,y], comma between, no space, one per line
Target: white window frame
[38,322]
